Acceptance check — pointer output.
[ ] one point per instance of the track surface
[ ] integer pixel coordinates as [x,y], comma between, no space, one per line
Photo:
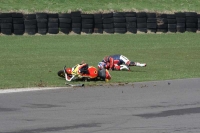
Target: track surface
[146,107]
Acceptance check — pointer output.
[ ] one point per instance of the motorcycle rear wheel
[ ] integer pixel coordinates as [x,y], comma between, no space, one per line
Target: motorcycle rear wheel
[61,74]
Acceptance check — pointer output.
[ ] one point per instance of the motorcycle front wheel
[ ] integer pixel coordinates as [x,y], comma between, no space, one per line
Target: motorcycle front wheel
[61,74]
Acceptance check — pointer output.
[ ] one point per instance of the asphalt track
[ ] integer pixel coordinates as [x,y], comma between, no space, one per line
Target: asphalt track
[171,106]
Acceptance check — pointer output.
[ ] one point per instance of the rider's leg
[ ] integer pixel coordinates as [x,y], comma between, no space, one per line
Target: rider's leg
[137,64]
[84,69]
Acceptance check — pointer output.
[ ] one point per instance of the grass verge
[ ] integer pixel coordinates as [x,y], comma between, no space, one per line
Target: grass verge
[31,61]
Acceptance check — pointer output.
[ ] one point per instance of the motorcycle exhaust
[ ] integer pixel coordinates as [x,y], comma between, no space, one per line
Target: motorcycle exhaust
[75,85]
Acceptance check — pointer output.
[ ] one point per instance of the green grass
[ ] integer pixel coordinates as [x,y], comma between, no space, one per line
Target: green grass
[91,6]
[31,61]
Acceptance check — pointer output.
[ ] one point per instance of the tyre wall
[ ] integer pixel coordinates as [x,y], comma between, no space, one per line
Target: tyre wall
[110,23]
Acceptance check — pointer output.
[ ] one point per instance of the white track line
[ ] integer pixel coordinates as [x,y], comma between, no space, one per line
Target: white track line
[29,89]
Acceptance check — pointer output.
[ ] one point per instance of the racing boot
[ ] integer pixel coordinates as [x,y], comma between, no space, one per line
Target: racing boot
[140,64]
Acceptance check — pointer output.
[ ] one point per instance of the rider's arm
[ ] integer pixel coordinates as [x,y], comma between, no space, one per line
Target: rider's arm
[111,61]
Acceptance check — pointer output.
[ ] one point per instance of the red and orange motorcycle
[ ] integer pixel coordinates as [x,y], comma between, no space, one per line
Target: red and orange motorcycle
[93,74]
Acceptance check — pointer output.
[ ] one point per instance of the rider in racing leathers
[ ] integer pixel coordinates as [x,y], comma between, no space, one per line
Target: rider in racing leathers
[76,71]
[113,62]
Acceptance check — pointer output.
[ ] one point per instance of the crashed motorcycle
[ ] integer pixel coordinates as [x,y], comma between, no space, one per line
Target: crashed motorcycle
[93,74]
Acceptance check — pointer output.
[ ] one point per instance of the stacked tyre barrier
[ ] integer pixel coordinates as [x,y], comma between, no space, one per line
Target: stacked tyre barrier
[114,22]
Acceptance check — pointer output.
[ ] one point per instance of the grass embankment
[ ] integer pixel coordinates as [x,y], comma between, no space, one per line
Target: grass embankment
[91,6]
[30,61]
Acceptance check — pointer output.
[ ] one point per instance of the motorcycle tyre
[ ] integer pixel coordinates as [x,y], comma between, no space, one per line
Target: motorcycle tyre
[61,74]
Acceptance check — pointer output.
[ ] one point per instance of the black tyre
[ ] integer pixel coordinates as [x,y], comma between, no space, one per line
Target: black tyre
[118,14]
[76,14]
[53,20]
[42,20]
[109,31]
[42,31]
[30,26]
[141,14]
[18,32]
[107,15]
[17,15]
[171,21]
[41,15]
[6,20]
[42,25]
[132,30]
[98,15]
[119,20]
[191,25]
[6,31]
[87,31]
[29,16]
[142,25]
[65,25]
[6,25]
[108,26]
[152,25]
[65,20]
[171,26]
[65,30]
[131,25]
[18,20]
[61,74]
[191,20]
[76,19]
[131,19]
[87,26]
[76,30]
[191,29]
[30,22]
[161,15]
[180,14]
[108,20]
[76,25]
[99,26]
[181,29]
[52,15]
[64,15]
[144,30]
[171,16]
[53,30]
[119,25]
[30,31]
[180,25]
[130,14]
[190,14]
[87,16]
[5,15]
[180,20]
[98,20]
[151,20]
[87,21]
[141,20]
[18,26]
[98,30]
[151,15]
[53,25]
[162,30]
[120,30]
[172,30]
[151,30]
